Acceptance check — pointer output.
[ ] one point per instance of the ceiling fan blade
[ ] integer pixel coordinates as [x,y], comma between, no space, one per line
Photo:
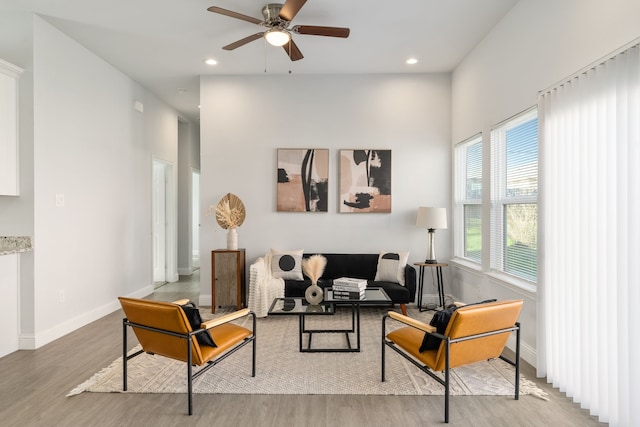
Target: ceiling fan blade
[232,14]
[243,41]
[291,9]
[292,50]
[315,30]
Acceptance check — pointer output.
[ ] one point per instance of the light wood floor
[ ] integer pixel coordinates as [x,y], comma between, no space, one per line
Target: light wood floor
[34,384]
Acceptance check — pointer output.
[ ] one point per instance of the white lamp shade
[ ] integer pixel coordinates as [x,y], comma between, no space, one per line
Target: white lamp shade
[277,37]
[432,218]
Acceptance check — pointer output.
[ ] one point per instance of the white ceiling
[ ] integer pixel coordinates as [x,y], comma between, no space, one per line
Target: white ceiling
[162,43]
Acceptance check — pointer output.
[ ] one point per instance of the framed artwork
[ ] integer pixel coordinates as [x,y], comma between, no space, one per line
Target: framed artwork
[365,181]
[303,180]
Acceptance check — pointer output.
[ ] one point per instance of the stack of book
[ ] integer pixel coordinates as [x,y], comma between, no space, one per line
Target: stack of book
[347,288]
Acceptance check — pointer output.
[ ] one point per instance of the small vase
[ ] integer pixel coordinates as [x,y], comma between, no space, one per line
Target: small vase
[232,239]
[313,294]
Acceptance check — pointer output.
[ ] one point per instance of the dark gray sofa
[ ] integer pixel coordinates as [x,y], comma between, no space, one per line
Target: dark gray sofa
[359,266]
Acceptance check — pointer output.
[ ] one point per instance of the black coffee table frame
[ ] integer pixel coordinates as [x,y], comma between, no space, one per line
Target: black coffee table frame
[298,306]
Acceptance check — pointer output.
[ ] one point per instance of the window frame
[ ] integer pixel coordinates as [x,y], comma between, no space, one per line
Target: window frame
[499,199]
[460,200]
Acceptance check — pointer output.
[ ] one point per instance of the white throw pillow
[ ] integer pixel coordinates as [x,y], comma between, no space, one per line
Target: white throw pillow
[391,267]
[286,264]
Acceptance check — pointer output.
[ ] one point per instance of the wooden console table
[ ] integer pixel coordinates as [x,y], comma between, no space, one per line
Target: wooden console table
[439,283]
[227,278]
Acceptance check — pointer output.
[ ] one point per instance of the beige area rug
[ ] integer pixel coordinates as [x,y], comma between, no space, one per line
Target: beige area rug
[282,369]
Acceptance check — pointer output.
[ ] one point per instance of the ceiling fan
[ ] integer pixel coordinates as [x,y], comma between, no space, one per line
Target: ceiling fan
[277,18]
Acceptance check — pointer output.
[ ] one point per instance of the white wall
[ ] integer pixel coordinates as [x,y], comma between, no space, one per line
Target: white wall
[90,145]
[537,44]
[16,38]
[245,119]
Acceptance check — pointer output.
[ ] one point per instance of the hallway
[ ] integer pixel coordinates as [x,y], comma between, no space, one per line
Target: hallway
[186,287]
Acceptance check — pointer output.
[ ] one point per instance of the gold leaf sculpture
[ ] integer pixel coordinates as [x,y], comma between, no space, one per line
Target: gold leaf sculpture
[230,212]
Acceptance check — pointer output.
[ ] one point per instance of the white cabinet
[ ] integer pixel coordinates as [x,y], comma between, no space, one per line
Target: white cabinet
[9,75]
[9,267]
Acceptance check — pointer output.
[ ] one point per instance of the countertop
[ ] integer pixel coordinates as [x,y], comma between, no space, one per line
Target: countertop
[15,244]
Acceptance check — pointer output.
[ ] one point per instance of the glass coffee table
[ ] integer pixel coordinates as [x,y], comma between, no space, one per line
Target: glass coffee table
[299,306]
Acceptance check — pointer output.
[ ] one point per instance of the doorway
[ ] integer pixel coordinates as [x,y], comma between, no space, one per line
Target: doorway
[164,224]
[195,219]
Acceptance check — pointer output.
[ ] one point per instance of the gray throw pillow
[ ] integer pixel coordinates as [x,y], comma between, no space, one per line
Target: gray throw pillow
[391,267]
[286,264]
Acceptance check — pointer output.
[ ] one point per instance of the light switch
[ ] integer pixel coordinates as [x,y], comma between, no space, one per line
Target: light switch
[59,200]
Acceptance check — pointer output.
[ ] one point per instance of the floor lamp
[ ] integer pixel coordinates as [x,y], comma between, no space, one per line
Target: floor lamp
[431,219]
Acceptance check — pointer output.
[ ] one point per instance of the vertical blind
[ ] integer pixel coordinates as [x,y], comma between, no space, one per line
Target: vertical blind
[589,287]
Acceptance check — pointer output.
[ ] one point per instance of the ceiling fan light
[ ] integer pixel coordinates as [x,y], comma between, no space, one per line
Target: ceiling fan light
[277,37]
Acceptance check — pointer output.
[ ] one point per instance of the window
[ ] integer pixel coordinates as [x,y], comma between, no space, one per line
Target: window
[514,196]
[468,199]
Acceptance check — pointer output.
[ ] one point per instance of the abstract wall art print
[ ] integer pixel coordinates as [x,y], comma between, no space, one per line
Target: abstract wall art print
[365,181]
[303,180]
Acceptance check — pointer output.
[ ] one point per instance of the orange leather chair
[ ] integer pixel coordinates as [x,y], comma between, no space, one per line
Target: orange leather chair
[474,333]
[162,328]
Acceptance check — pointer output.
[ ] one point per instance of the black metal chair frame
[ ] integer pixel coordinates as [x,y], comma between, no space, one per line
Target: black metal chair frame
[447,343]
[187,337]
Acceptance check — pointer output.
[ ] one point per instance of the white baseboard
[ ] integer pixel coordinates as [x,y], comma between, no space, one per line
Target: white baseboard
[527,352]
[34,341]
[185,271]
[205,300]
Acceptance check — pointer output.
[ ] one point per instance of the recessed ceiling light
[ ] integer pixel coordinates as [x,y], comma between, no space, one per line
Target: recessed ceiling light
[210,61]
[412,61]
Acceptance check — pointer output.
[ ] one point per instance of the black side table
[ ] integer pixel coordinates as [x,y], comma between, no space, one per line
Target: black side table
[439,283]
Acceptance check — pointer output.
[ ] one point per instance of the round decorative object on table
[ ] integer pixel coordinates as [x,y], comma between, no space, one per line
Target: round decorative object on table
[313,294]
[288,304]
[313,267]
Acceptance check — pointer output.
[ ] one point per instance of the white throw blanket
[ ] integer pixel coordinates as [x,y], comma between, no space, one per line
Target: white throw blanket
[263,288]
